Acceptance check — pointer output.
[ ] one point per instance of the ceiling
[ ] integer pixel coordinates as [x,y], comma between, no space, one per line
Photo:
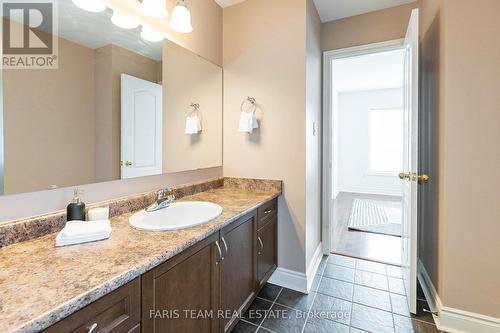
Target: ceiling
[227,3]
[369,72]
[330,10]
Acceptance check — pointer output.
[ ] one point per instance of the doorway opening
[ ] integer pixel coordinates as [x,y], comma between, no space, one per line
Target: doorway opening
[367,141]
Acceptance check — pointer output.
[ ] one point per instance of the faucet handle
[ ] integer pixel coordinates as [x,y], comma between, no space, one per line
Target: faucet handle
[163,192]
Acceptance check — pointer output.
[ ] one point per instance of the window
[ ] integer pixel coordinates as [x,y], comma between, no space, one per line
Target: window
[386,140]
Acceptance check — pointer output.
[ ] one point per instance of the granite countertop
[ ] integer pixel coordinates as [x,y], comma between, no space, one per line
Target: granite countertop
[41,284]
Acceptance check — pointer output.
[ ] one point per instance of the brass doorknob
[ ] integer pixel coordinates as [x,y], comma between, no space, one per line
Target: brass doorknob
[423,178]
[404,176]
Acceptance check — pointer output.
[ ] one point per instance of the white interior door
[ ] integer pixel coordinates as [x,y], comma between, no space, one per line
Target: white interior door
[141,127]
[410,164]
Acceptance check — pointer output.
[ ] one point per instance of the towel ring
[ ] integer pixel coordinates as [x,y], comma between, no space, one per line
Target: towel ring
[195,108]
[250,100]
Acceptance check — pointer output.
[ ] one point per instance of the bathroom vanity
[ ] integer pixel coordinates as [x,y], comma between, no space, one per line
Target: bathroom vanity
[197,279]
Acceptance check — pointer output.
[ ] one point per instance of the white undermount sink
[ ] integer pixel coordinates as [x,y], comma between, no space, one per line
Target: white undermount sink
[179,215]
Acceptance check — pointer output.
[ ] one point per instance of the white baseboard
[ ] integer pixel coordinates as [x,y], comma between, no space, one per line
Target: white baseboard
[298,281]
[289,279]
[314,265]
[454,320]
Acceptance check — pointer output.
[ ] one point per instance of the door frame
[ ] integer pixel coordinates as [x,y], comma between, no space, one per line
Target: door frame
[327,168]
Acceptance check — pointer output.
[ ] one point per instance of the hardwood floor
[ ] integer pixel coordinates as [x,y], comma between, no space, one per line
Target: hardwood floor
[364,245]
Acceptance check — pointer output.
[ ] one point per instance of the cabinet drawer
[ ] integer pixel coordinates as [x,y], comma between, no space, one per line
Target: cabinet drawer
[117,312]
[266,212]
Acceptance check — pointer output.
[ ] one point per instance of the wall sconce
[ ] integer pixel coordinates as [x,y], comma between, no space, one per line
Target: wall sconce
[181,18]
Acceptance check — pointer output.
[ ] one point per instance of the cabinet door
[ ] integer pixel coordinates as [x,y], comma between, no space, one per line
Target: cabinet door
[238,269]
[267,248]
[182,295]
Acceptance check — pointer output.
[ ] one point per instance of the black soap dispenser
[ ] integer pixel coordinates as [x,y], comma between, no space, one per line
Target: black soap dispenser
[76,210]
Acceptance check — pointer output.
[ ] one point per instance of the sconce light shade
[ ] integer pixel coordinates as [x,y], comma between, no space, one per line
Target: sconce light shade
[91,5]
[154,8]
[124,21]
[181,18]
[151,35]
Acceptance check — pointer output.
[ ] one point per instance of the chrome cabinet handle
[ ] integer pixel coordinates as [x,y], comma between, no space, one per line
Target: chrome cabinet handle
[261,246]
[220,253]
[91,328]
[268,211]
[225,247]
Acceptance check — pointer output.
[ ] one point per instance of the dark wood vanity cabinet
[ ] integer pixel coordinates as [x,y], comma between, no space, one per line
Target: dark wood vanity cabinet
[202,289]
[183,294]
[238,268]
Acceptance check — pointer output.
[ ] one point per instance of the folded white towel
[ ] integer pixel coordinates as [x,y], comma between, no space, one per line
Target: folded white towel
[76,232]
[248,122]
[193,124]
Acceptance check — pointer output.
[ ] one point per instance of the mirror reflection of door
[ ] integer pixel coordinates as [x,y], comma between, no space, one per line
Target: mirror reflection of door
[141,127]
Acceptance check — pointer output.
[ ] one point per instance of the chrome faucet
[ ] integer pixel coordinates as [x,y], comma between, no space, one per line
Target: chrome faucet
[162,201]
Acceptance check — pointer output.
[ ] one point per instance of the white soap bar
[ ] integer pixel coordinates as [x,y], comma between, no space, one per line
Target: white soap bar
[96,214]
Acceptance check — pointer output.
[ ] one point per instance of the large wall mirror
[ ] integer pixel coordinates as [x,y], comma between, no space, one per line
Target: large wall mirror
[117,107]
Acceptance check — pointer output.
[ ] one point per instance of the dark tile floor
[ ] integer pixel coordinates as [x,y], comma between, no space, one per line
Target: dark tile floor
[348,295]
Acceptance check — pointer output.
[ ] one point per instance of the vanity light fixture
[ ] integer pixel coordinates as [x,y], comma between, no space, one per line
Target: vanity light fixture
[151,35]
[124,21]
[154,8]
[90,5]
[181,18]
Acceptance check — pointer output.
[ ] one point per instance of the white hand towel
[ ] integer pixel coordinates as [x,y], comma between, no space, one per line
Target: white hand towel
[193,124]
[76,232]
[248,122]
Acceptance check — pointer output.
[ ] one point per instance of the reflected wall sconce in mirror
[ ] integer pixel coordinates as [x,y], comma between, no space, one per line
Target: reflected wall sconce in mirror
[155,8]
[181,18]
[193,119]
[91,5]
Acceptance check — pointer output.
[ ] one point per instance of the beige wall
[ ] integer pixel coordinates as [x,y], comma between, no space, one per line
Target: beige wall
[460,80]
[378,26]
[41,109]
[103,67]
[471,146]
[187,79]
[313,131]
[265,57]
[206,38]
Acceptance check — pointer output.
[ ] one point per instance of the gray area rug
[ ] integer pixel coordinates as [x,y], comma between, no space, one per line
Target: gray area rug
[375,216]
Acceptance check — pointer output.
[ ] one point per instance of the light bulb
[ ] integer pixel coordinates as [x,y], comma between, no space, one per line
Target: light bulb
[124,21]
[151,34]
[181,18]
[155,8]
[91,5]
